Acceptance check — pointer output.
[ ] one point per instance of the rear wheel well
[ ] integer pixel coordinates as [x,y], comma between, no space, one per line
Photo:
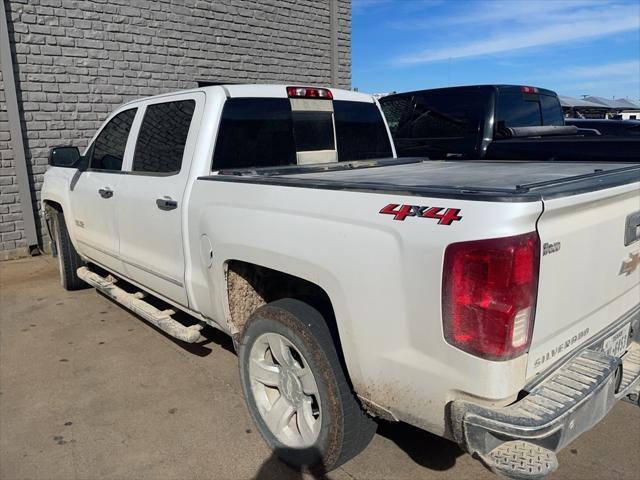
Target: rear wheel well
[250,286]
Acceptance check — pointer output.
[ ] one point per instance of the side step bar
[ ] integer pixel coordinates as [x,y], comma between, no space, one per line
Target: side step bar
[134,302]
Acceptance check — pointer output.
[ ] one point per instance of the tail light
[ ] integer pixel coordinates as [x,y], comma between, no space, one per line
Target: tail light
[309,92]
[528,89]
[489,295]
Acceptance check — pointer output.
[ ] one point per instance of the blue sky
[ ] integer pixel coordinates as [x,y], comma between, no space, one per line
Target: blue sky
[575,47]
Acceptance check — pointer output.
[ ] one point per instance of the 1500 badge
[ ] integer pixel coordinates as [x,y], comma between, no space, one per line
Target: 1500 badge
[444,216]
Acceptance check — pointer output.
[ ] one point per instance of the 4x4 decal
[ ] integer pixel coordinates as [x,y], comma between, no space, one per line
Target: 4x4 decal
[400,212]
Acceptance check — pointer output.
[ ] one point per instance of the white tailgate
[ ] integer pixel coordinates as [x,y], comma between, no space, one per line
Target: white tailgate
[588,277]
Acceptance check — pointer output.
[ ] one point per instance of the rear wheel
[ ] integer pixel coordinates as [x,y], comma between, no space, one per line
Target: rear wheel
[296,390]
[68,259]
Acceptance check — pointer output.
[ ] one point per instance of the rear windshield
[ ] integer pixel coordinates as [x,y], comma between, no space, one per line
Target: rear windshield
[265,132]
[516,109]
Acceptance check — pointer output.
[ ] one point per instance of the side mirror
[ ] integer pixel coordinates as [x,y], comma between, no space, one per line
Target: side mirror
[66,156]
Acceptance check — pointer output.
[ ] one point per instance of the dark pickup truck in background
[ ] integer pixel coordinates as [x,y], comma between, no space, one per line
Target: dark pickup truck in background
[495,122]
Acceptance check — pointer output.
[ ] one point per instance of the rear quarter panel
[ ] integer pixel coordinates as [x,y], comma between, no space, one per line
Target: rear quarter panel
[383,277]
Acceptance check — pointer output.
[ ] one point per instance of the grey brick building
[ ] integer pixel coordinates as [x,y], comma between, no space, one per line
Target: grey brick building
[73,61]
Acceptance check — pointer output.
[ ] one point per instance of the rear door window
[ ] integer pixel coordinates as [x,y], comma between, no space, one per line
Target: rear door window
[107,151]
[163,136]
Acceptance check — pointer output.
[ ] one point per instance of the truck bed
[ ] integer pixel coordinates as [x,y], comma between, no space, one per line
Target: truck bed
[484,180]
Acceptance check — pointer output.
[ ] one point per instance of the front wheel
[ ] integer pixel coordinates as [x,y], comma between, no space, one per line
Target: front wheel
[296,390]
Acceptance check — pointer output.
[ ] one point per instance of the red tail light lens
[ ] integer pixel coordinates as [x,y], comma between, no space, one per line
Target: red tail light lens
[489,295]
[309,92]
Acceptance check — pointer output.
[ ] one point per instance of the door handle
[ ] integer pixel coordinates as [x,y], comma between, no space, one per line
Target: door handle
[166,204]
[105,192]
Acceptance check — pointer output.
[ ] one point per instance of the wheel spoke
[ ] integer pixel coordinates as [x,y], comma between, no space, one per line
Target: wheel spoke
[305,421]
[309,386]
[279,416]
[280,350]
[284,386]
[265,373]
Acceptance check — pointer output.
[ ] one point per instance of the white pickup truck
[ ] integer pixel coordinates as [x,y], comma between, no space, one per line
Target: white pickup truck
[496,304]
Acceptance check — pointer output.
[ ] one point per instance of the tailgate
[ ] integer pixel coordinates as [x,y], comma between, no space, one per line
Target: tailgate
[589,271]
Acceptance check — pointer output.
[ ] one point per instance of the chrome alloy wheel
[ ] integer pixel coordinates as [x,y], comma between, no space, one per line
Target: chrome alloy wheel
[285,391]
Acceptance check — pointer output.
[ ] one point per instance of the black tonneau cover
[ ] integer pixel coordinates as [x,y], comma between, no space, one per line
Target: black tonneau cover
[483,180]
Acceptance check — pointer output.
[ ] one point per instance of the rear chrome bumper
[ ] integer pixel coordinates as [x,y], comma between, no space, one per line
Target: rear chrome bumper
[520,440]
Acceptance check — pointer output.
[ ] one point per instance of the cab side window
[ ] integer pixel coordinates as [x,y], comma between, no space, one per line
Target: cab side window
[163,136]
[107,152]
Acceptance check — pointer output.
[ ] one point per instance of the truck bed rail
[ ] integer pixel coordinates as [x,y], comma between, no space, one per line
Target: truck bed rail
[418,177]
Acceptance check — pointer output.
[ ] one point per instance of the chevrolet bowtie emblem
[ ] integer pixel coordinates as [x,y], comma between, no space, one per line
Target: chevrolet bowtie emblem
[629,266]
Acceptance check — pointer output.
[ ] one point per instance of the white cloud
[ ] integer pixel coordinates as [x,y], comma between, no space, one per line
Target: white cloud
[610,88]
[525,26]
[629,69]
[494,12]
[597,79]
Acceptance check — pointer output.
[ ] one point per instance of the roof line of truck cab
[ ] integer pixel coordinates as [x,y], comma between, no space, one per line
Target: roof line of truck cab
[488,87]
[263,91]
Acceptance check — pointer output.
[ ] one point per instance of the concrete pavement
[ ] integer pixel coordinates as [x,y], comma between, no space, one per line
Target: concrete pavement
[89,391]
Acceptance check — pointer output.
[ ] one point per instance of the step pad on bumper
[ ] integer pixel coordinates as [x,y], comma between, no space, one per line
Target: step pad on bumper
[519,460]
[575,397]
[631,370]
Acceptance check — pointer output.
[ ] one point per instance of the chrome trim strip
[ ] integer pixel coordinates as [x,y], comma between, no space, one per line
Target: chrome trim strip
[101,250]
[156,274]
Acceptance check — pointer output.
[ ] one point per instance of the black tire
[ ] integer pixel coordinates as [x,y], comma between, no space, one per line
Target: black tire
[345,429]
[68,259]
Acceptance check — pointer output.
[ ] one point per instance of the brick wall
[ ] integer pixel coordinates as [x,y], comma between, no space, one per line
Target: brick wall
[75,61]
[11,225]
